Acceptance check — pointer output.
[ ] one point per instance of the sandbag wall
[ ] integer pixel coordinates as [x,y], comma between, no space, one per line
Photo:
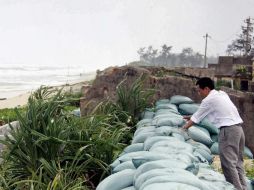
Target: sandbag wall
[163,156]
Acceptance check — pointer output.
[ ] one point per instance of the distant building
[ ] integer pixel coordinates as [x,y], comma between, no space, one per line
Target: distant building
[238,70]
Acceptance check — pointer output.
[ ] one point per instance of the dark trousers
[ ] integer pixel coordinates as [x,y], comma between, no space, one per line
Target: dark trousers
[231,147]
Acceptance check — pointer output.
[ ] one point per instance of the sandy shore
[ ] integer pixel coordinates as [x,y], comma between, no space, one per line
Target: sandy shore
[22,99]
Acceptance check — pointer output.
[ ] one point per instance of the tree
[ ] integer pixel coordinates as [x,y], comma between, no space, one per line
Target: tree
[148,55]
[164,54]
[242,45]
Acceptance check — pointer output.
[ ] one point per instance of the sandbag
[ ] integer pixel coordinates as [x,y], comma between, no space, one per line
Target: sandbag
[215,148]
[159,164]
[116,182]
[153,156]
[76,112]
[200,136]
[213,179]
[164,130]
[144,129]
[185,157]
[124,166]
[166,106]
[178,99]
[127,157]
[7,128]
[133,148]
[153,173]
[215,138]
[170,186]
[141,137]
[248,153]
[178,176]
[198,145]
[209,126]
[205,154]
[162,101]
[178,136]
[150,141]
[166,112]
[203,129]
[129,188]
[144,122]
[170,121]
[188,109]
[175,146]
[147,114]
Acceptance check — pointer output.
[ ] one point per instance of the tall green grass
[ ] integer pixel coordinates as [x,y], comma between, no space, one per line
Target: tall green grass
[53,150]
[135,98]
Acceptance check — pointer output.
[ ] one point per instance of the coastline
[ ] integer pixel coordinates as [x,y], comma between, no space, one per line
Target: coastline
[22,99]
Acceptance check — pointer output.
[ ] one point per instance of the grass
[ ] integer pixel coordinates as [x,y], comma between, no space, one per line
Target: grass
[53,150]
[9,114]
[248,166]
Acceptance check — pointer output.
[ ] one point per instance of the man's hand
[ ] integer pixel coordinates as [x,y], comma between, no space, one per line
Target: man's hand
[187,125]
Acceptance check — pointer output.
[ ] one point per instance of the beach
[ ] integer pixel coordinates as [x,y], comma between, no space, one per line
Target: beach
[22,99]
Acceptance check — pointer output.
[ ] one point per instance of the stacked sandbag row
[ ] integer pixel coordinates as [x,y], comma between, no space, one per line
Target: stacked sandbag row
[163,156]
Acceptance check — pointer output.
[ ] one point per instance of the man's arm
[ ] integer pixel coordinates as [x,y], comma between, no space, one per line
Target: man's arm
[188,124]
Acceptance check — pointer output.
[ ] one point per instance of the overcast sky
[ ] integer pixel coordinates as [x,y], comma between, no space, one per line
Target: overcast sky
[102,33]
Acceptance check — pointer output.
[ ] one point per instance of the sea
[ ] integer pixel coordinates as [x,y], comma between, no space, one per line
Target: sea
[16,79]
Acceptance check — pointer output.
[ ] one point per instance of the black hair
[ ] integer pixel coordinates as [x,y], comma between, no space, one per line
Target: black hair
[205,82]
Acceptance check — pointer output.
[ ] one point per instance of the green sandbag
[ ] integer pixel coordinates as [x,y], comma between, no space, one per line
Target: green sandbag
[213,179]
[170,121]
[203,129]
[205,154]
[153,156]
[123,166]
[134,148]
[147,114]
[173,145]
[215,148]
[178,99]
[127,157]
[215,138]
[248,153]
[166,106]
[129,188]
[178,136]
[144,130]
[150,141]
[116,182]
[188,109]
[141,137]
[161,101]
[198,135]
[144,122]
[209,126]
[159,164]
[166,111]
[198,145]
[170,186]
[164,131]
[173,175]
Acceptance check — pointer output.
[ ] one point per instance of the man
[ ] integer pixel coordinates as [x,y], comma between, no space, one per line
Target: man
[217,107]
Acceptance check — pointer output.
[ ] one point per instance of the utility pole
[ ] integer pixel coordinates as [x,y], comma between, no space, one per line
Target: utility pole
[206,36]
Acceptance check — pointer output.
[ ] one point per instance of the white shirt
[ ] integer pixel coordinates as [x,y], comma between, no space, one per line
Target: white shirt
[218,109]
